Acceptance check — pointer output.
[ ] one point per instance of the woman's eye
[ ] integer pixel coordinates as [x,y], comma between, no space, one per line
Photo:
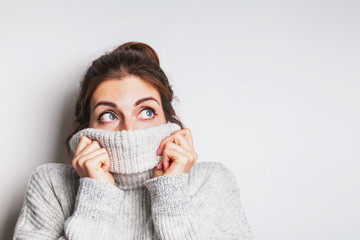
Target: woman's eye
[107,117]
[147,113]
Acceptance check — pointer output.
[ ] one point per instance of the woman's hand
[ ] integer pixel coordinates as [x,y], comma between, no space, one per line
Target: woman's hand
[92,161]
[178,154]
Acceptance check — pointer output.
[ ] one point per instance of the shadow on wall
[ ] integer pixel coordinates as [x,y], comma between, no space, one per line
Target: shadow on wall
[60,156]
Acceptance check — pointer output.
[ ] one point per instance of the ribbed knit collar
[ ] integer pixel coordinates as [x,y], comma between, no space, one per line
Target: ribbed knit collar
[132,153]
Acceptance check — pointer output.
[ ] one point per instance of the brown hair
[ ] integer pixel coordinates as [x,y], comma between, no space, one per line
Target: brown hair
[131,58]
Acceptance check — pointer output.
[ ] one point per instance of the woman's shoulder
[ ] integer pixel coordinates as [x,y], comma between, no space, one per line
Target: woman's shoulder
[53,166]
[210,165]
[54,170]
[55,176]
[208,168]
[212,173]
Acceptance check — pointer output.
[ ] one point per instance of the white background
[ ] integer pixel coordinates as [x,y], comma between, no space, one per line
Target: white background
[268,88]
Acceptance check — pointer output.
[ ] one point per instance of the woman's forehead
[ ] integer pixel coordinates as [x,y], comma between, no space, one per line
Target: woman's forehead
[127,90]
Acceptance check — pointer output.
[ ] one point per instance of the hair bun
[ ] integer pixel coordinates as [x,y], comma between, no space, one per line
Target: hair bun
[141,48]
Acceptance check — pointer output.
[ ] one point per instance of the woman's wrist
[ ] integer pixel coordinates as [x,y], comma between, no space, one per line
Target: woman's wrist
[97,199]
[169,194]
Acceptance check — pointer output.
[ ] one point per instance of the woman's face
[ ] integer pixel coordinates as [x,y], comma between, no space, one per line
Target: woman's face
[126,104]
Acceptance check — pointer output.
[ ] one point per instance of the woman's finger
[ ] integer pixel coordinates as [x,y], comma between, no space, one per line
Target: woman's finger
[187,135]
[178,154]
[89,155]
[181,141]
[168,155]
[178,138]
[178,165]
[94,145]
[84,141]
[95,162]
[106,163]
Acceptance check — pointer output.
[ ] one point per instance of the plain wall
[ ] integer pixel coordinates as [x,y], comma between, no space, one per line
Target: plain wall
[268,88]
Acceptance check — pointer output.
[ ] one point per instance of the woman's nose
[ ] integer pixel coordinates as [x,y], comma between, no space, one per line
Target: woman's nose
[128,124]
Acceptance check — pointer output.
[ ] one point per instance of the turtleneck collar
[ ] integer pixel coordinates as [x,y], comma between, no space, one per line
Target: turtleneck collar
[132,153]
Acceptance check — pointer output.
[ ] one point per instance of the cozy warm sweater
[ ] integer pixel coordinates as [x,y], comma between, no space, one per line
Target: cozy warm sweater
[201,204]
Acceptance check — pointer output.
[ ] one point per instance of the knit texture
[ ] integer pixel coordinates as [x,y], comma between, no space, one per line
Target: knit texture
[131,151]
[201,204]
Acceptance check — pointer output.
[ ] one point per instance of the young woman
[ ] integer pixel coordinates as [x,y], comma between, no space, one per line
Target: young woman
[134,173]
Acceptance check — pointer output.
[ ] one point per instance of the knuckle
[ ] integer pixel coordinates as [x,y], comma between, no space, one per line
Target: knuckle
[191,158]
[87,164]
[78,162]
[176,137]
[165,150]
[75,158]
[73,163]
[170,145]
[84,139]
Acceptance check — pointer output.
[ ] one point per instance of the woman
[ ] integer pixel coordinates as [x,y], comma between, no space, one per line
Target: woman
[133,172]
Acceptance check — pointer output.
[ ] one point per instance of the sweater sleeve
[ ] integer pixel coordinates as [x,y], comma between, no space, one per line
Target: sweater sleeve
[208,209]
[172,208]
[41,216]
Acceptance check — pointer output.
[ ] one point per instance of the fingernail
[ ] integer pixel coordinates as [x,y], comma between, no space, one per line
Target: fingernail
[157,152]
[158,166]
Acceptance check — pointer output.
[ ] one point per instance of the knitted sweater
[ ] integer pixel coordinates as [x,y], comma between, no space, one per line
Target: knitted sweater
[201,204]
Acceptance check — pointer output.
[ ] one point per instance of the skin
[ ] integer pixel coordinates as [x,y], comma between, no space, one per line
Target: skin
[91,160]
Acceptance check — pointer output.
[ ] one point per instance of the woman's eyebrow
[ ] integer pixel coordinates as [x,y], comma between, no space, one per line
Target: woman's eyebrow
[111,104]
[145,99]
[106,104]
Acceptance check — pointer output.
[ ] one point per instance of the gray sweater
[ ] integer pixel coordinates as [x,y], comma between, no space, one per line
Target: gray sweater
[201,204]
